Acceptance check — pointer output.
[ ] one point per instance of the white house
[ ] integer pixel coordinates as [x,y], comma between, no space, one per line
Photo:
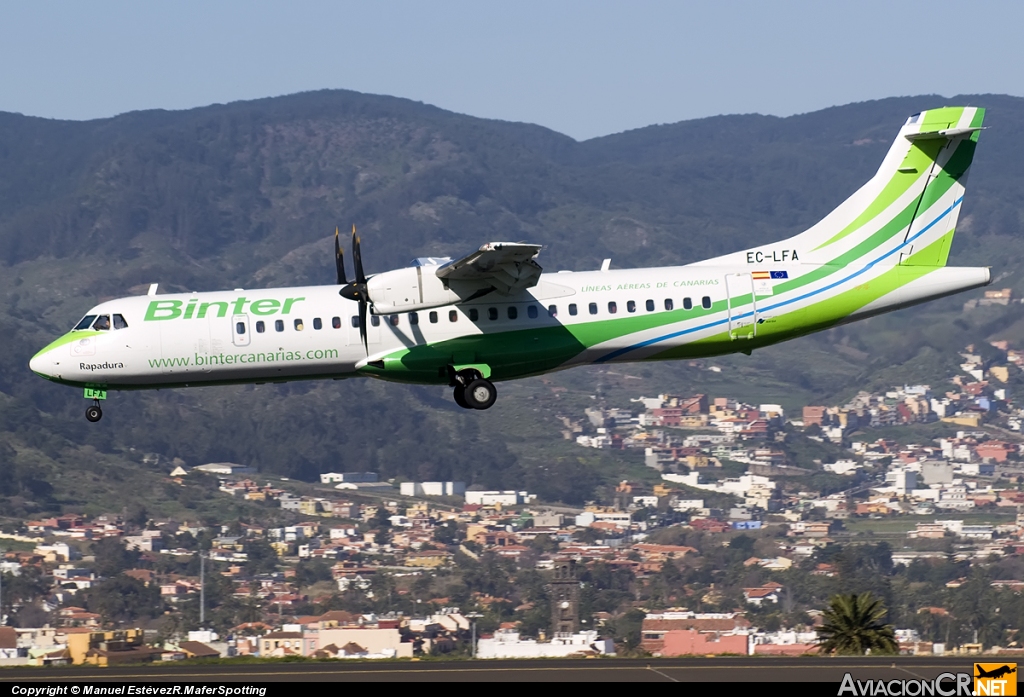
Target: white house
[225,468]
[847,467]
[354,477]
[504,498]
[688,504]
[433,488]
[508,644]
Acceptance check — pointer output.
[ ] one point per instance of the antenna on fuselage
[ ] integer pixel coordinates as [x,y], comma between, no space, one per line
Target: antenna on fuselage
[152,289]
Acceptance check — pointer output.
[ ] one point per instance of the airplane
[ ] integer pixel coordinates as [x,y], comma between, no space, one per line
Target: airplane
[995,672]
[493,315]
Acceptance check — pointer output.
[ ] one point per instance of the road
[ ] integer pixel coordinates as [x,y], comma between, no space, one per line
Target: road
[716,670]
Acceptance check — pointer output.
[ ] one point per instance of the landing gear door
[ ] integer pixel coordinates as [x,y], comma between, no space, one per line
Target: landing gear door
[741,301]
[240,330]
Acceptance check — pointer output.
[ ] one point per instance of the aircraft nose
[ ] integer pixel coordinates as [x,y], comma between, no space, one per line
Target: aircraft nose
[40,364]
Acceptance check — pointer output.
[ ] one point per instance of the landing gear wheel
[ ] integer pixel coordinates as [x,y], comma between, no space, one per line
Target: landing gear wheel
[94,413]
[460,397]
[480,394]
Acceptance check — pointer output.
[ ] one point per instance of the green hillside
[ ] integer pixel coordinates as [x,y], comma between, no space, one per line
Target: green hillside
[248,194]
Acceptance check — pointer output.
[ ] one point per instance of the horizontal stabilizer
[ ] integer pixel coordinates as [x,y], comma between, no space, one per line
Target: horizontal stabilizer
[944,133]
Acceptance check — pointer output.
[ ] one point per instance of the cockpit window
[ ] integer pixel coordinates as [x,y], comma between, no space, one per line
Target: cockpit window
[102,323]
[85,323]
[119,322]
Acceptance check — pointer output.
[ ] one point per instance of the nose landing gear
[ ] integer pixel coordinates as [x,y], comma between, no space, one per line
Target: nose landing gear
[94,413]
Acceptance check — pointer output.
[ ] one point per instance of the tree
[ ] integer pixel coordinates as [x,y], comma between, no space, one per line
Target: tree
[309,572]
[853,625]
[447,533]
[626,629]
[136,515]
[112,557]
[544,543]
[123,599]
[262,557]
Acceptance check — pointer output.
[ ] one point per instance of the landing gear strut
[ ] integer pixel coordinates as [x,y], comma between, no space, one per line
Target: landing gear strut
[472,390]
[460,397]
[94,413]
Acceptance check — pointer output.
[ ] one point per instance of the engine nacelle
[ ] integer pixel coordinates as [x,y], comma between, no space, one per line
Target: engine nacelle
[407,290]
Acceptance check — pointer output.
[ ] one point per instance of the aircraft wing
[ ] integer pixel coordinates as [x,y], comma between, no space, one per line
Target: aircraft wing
[507,267]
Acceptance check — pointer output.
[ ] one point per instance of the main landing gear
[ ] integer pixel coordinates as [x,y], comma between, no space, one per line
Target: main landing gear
[472,391]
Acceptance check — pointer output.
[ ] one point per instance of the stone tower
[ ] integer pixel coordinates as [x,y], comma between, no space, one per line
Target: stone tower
[565,597]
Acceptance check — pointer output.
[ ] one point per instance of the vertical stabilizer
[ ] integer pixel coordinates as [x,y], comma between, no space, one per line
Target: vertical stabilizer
[913,199]
[906,213]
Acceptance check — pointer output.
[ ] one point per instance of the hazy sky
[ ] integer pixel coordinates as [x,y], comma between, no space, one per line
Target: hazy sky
[582,68]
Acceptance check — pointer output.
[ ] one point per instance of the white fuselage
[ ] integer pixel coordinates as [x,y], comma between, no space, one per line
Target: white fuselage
[311,332]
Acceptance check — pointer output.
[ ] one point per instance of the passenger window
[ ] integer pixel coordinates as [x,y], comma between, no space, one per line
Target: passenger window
[593,308]
[355,321]
[414,318]
[687,304]
[531,312]
[553,310]
[102,323]
[278,325]
[393,319]
[374,321]
[317,324]
[572,309]
[85,323]
[513,312]
[433,317]
[260,327]
[239,328]
[630,306]
[453,315]
[705,302]
[669,304]
[119,322]
[474,314]
[650,306]
[336,322]
[299,326]
[492,313]
[612,308]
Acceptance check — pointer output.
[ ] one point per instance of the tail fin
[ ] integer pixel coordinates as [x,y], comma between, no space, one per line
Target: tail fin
[906,213]
[914,198]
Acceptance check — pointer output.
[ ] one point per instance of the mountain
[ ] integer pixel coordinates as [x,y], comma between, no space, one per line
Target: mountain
[248,194]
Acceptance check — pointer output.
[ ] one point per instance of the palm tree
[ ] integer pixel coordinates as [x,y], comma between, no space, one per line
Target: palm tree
[853,625]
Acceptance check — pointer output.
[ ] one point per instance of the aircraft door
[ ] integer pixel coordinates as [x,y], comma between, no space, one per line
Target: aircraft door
[240,330]
[741,301]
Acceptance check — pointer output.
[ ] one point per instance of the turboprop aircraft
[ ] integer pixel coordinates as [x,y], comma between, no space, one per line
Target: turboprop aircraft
[493,315]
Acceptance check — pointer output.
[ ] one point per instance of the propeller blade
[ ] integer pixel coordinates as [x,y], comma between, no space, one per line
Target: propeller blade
[339,260]
[357,258]
[362,325]
[356,290]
